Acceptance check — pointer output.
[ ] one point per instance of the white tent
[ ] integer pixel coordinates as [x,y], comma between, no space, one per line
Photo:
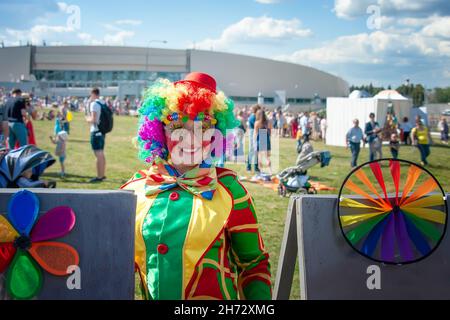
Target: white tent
[342,111]
[390,95]
[356,94]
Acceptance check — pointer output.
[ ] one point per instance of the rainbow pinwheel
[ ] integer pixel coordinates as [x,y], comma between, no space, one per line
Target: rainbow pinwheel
[24,244]
[394,211]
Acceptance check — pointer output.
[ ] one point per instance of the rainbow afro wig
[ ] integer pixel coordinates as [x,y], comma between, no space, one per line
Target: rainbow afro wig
[194,98]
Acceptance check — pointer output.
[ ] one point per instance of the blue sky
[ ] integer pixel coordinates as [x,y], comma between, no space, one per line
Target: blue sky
[378,41]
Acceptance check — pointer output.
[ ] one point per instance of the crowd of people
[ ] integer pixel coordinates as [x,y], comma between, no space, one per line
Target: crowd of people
[262,124]
[18,110]
[395,134]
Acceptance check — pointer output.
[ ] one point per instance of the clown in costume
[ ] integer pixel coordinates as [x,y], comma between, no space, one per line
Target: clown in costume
[197,236]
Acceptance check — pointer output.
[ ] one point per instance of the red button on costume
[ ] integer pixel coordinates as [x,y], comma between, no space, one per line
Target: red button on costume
[162,248]
[174,196]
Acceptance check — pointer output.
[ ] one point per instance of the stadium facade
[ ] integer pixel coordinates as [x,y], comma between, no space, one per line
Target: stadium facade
[125,71]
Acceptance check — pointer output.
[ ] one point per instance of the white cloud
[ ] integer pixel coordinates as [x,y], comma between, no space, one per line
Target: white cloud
[261,29]
[62,6]
[267,1]
[118,38]
[446,74]
[377,48]
[444,48]
[354,48]
[349,9]
[56,43]
[438,28]
[356,8]
[115,34]
[415,22]
[115,39]
[128,22]
[37,33]
[88,39]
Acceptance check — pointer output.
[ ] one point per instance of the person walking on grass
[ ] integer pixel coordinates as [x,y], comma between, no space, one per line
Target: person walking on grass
[353,141]
[61,145]
[304,124]
[323,129]
[97,137]
[394,145]
[372,131]
[4,128]
[281,121]
[443,128]
[421,138]
[262,137]
[16,111]
[406,128]
[252,152]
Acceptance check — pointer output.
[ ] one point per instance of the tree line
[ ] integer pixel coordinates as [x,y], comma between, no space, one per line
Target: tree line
[416,92]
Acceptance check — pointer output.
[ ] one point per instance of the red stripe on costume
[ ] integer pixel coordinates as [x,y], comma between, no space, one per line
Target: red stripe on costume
[209,288]
[261,268]
[245,282]
[226,247]
[225,172]
[195,275]
[204,181]
[250,230]
[240,217]
[144,176]
[157,178]
[132,181]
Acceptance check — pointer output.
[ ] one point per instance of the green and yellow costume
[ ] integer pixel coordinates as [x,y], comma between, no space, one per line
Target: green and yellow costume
[198,245]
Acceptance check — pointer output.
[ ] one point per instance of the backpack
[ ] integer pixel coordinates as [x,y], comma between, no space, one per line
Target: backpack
[106,121]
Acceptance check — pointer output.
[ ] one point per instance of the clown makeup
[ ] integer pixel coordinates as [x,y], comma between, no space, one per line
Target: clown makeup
[190,143]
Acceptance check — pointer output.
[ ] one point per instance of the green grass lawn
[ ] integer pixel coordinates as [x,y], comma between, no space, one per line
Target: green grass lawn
[122,163]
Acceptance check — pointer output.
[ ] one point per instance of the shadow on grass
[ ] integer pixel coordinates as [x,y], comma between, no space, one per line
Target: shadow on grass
[440,146]
[67,177]
[432,167]
[79,141]
[84,180]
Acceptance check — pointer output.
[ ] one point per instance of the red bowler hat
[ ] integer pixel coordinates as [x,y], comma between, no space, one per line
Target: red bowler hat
[201,79]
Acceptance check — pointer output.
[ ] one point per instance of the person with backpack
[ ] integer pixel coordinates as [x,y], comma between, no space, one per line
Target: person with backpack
[101,123]
[16,110]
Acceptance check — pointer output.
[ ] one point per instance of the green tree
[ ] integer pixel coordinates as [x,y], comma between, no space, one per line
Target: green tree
[441,95]
[418,95]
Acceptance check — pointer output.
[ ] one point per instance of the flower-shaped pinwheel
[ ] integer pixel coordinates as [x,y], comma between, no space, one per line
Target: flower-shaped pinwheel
[397,212]
[24,244]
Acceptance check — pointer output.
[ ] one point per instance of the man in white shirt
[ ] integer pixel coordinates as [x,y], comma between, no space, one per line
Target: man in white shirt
[353,140]
[406,127]
[97,138]
[304,123]
[323,129]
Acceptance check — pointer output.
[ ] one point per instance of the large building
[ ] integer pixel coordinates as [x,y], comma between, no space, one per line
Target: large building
[125,71]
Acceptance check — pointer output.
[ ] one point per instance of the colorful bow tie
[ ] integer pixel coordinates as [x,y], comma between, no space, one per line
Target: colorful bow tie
[200,181]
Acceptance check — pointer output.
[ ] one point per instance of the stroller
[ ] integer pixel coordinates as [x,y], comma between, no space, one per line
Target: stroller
[295,179]
[21,168]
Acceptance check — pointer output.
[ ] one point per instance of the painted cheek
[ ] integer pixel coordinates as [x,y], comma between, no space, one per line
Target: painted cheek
[171,144]
[206,143]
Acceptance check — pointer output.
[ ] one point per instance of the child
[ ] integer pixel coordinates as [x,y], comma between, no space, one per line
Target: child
[394,145]
[63,116]
[61,140]
[299,140]
[26,180]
